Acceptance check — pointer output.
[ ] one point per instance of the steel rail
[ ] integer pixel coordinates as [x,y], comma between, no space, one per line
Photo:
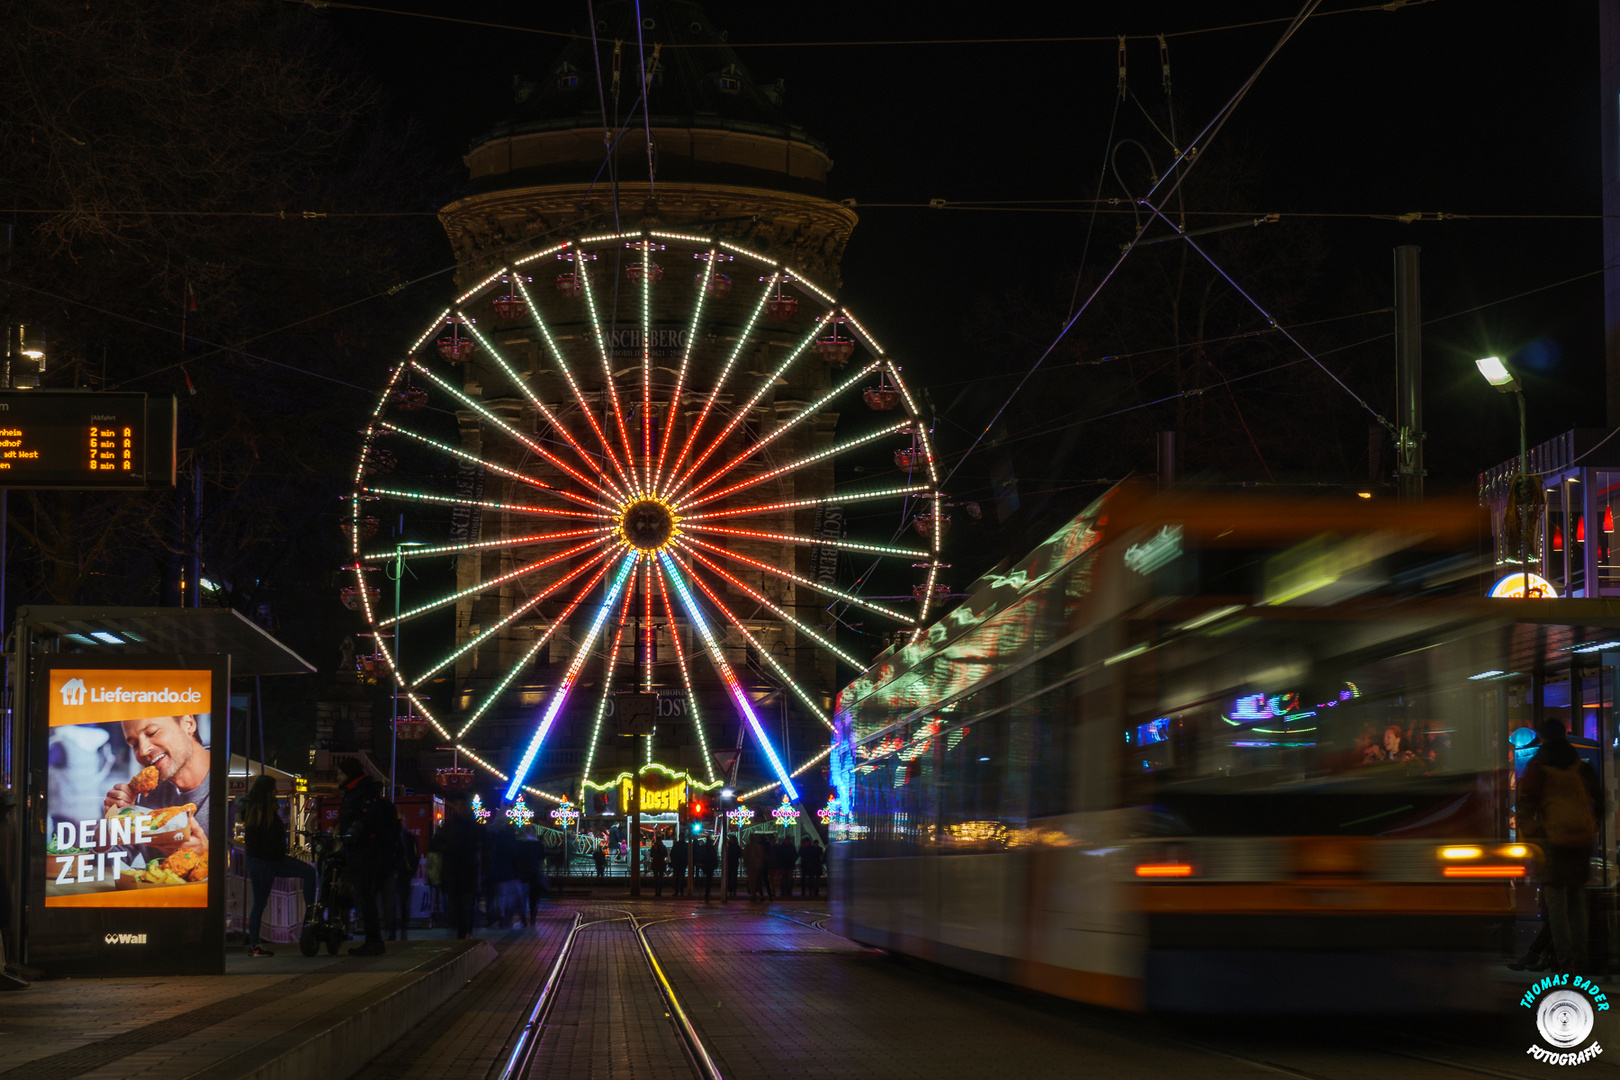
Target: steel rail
[697,1054]
[528,1037]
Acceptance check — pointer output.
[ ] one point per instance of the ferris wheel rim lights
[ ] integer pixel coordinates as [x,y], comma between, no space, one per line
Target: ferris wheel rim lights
[683,483]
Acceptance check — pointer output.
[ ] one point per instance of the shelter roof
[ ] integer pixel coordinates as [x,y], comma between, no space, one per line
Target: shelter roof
[116,631]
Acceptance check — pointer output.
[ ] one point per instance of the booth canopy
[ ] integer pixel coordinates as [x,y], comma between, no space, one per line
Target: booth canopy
[184,631]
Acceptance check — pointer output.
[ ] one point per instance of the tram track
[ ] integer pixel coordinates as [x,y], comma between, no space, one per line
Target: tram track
[516,1058]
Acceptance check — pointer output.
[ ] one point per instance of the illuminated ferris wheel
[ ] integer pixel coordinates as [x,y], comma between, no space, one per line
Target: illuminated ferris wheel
[656,416]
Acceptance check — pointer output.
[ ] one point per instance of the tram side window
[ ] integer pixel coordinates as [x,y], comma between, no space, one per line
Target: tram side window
[1055,713]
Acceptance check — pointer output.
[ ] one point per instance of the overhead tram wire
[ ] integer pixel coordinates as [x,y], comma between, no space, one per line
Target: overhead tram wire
[1388,7]
[1181,168]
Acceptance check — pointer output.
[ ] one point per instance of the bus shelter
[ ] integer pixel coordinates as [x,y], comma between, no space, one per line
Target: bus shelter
[115,758]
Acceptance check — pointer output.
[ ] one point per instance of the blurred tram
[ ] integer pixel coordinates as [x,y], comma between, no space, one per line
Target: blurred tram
[1216,755]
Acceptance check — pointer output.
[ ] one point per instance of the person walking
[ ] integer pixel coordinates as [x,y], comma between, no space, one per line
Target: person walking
[410,859]
[453,858]
[785,856]
[658,858]
[369,826]
[599,856]
[265,838]
[1560,793]
[753,859]
[530,863]
[705,867]
[809,869]
[729,859]
[678,857]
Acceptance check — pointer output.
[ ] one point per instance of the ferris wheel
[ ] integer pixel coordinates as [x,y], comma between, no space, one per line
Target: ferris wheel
[658,415]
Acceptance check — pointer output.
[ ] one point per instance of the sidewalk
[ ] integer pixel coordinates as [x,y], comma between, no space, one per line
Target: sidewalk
[279,1018]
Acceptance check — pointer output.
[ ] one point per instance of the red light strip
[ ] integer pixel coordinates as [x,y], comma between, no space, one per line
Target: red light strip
[646,368]
[512,432]
[1163,870]
[800,463]
[740,414]
[806,541]
[516,613]
[708,402]
[515,508]
[808,412]
[778,612]
[492,467]
[647,630]
[680,376]
[519,572]
[579,396]
[768,508]
[1483,871]
[607,376]
[686,678]
[795,578]
[515,541]
[607,687]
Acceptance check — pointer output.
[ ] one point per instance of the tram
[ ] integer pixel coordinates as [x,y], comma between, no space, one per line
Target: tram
[1217,755]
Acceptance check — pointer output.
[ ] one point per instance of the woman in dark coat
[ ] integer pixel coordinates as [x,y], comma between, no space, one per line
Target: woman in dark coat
[456,845]
[265,837]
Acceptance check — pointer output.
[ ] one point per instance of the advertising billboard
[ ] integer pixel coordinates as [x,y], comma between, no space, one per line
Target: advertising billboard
[132,843]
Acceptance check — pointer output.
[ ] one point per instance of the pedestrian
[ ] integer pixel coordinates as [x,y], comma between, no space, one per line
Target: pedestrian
[1560,793]
[678,858]
[369,825]
[658,858]
[786,855]
[599,856]
[528,860]
[809,869]
[767,868]
[733,853]
[505,875]
[753,859]
[265,838]
[705,866]
[410,859]
[453,860]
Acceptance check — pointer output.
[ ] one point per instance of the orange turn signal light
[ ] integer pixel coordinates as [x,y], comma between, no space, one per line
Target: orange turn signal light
[1477,871]
[1164,870]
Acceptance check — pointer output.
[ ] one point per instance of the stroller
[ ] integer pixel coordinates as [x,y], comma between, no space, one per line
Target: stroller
[327,919]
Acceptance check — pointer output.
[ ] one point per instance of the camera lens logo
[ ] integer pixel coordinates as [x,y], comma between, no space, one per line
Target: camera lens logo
[1564,1018]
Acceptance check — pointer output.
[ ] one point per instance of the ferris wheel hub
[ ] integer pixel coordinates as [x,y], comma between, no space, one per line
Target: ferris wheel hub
[647,524]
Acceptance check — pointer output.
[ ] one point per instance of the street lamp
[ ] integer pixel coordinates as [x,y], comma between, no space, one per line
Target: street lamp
[1498,375]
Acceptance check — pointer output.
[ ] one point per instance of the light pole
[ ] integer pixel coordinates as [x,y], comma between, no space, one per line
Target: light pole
[400,544]
[1498,375]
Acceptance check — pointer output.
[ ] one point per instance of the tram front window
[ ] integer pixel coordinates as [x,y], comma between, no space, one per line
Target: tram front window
[1397,746]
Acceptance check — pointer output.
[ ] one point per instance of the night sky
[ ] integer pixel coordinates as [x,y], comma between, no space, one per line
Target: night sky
[1479,107]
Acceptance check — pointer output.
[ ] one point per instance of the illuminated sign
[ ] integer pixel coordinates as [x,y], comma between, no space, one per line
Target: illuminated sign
[785,814]
[654,800]
[480,812]
[1512,588]
[565,815]
[519,813]
[130,843]
[85,439]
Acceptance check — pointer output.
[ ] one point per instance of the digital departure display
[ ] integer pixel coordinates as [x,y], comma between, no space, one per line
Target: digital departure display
[68,439]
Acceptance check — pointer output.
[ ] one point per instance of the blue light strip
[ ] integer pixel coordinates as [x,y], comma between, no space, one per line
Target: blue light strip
[561,694]
[696,615]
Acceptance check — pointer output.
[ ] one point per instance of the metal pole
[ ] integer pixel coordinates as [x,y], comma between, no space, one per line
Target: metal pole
[393,720]
[1409,373]
[635,824]
[1523,482]
[196,532]
[1167,460]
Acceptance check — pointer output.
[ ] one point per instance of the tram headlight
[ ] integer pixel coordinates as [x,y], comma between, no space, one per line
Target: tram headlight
[1461,851]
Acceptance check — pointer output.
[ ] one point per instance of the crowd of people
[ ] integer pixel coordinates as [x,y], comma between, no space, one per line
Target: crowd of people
[503,865]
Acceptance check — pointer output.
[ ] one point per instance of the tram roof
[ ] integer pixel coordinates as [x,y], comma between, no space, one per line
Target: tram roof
[993,623]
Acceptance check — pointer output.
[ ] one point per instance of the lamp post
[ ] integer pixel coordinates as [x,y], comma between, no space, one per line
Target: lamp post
[1498,375]
[400,544]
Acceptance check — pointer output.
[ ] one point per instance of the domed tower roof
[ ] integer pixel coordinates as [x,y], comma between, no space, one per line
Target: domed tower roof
[723,148]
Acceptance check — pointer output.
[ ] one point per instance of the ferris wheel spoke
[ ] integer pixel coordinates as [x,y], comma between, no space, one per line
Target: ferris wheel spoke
[807,631]
[686,677]
[719,384]
[607,378]
[608,661]
[579,395]
[764,653]
[560,695]
[806,767]
[517,436]
[529,568]
[686,359]
[695,614]
[808,412]
[511,508]
[743,485]
[827,590]
[911,404]
[492,467]
[545,636]
[773,508]
[516,613]
[927,598]
[741,414]
[504,542]
[809,541]
[646,367]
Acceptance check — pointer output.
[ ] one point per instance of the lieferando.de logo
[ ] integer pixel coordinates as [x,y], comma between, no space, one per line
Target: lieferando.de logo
[1566,1009]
